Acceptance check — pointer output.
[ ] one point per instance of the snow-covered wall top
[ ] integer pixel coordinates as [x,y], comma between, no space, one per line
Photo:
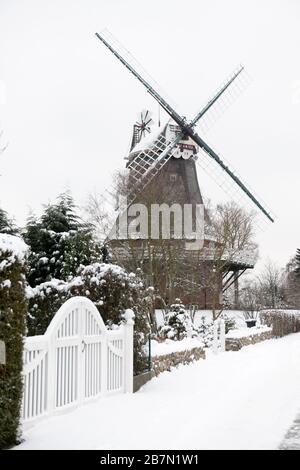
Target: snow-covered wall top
[169,346]
[245,332]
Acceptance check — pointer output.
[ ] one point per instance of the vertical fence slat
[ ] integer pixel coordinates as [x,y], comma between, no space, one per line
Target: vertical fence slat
[79,359]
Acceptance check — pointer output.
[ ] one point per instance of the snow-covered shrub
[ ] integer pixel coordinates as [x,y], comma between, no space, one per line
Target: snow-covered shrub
[178,324]
[205,330]
[111,288]
[12,329]
[230,323]
[44,301]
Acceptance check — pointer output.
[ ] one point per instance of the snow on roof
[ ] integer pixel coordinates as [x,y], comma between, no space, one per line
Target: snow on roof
[13,245]
[148,140]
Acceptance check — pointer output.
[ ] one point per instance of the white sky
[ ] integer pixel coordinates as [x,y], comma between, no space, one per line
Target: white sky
[70,105]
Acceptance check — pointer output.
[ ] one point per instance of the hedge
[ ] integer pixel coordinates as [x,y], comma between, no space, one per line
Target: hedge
[110,287]
[283,322]
[12,330]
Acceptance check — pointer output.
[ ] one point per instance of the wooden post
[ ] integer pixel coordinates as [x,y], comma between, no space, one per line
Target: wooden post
[236,290]
[128,350]
[222,335]
[215,338]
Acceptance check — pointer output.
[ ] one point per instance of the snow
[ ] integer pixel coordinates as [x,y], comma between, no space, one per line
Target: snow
[148,140]
[237,315]
[245,332]
[6,283]
[15,246]
[169,346]
[235,400]
[159,315]
[46,288]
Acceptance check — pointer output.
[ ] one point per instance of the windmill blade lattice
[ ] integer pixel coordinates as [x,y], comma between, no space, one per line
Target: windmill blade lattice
[228,98]
[227,185]
[122,51]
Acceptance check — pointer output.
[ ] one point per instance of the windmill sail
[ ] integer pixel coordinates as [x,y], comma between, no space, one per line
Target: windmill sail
[143,168]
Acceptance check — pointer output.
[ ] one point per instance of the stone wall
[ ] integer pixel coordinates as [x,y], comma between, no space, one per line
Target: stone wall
[141,379]
[166,362]
[235,344]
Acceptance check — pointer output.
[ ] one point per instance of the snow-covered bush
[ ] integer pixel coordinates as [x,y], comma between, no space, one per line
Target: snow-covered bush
[43,302]
[230,323]
[205,330]
[110,287]
[12,329]
[178,324]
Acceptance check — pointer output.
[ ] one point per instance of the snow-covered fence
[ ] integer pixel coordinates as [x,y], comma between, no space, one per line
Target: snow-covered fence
[219,336]
[77,359]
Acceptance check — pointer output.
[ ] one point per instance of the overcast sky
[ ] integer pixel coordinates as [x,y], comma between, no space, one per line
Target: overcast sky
[67,105]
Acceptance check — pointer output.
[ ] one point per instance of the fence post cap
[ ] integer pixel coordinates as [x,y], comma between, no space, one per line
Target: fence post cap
[129,316]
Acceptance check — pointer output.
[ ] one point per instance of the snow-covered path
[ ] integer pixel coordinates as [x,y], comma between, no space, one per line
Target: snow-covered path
[237,400]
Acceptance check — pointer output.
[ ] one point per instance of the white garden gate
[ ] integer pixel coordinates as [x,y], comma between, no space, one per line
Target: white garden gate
[77,359]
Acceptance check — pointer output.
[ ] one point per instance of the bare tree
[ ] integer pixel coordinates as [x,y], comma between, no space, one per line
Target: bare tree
[271,281]
[232,243]
[251,299]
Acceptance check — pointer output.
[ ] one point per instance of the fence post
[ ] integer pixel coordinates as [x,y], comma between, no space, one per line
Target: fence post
[222,335]
[128,350]
[215,338]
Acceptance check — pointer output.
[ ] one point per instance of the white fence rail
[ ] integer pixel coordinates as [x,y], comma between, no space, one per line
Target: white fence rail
[219,336]
[77,359]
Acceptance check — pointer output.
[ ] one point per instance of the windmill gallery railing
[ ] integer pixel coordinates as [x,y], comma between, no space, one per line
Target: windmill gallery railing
[76,360]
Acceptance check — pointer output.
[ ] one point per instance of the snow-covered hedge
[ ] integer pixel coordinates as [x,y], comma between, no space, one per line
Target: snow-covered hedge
[12,330]
[283,322]
[110,287]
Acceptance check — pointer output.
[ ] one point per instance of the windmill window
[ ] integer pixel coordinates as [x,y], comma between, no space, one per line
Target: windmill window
[173,178]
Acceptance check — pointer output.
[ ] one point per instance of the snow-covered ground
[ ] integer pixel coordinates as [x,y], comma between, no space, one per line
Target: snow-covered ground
[236,400]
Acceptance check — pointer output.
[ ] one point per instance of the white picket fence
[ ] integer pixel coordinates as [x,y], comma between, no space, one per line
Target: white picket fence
[76,360]
[218,344]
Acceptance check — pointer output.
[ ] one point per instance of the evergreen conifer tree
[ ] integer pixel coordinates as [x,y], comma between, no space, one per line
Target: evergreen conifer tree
[60,242]
[6,224]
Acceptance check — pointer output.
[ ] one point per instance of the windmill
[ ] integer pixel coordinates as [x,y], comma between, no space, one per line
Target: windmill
[173,150]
